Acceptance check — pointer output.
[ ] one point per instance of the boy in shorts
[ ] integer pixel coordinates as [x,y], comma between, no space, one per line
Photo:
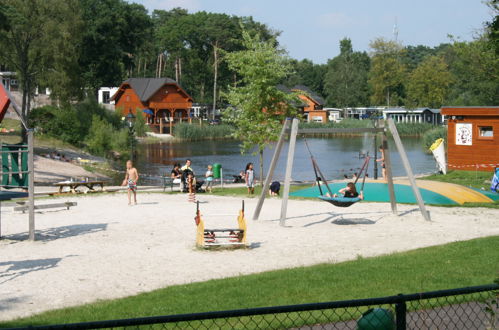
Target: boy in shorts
[131,178]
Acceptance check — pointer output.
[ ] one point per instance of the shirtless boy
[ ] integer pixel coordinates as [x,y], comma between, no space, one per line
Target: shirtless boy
[131,178]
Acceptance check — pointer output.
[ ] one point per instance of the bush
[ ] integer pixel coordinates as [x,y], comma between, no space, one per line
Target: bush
[193,132]
[432,135]
[140,124]
[413,129]
[103,138]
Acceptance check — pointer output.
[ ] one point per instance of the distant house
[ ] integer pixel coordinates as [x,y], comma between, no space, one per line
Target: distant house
[421,115]
[164,101]
[472,138]
[334,114]
[314,104]
[8,79]
[104,95]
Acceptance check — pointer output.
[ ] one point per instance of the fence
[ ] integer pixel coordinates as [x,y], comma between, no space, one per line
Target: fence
[465,308]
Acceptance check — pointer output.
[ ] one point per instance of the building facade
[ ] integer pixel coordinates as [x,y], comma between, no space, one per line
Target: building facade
[162,100]
[472,138]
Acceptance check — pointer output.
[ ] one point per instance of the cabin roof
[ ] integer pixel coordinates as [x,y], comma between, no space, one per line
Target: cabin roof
[471,111]
[317,98]
[145,88]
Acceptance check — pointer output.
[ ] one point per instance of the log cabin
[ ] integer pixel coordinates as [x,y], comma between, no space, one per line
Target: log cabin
[472,138]
[162,100]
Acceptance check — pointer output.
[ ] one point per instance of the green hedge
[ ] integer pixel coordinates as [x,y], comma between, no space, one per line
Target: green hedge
[432,135]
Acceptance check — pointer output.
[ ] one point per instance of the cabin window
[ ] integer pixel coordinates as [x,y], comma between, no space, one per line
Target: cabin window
[485,131]
[106,96]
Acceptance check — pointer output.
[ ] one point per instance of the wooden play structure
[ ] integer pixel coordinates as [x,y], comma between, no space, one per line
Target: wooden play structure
[290,129]
[217,238]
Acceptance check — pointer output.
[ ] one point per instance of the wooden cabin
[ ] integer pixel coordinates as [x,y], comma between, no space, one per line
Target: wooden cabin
[472,138]
[163,101]
[313,109]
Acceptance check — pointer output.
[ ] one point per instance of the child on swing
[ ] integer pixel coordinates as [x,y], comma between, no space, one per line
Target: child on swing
[350,191]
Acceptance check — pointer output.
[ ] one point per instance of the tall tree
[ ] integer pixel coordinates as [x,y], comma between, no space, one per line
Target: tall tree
[259,107]
[30,38]
[345,83]
[307,73]
[387,73]
[475,66]
[429,83]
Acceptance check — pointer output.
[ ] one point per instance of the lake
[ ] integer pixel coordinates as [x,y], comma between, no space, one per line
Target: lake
[336,157]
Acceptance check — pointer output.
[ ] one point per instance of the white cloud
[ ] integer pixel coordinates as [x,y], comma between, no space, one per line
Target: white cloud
[190,5]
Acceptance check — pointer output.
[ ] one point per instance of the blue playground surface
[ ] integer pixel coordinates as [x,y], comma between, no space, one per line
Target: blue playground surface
[378,192]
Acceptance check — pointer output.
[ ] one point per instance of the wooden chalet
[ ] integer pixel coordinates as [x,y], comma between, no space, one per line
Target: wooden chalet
[472,137]
[314,104]
[162,100]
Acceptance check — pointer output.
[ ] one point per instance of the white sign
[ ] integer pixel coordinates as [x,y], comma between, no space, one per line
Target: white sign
[464,134]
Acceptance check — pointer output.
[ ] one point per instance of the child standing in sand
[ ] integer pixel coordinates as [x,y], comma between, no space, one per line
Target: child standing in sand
[249,177]
[209,179]
[382,161]
[131,178]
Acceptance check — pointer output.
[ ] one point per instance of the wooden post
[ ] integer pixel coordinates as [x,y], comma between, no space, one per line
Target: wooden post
[171,121]
[31,184]
[389,173]
[408,169]
[289,170]
[160,125]
[270,173]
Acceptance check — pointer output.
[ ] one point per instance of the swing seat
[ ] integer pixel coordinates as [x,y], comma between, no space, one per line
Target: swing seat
[341,201]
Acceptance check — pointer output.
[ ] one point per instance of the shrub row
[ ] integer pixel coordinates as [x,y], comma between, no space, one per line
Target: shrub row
[193,132]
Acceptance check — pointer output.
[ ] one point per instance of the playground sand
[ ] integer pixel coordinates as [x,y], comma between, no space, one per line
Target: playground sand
[103,249]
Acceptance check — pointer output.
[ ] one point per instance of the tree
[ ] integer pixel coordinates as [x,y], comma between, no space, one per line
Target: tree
[493,26]
[114,33]
[475,66]
[307,73]
[30,42]
[345,83]
[429,83]
[259,107]
[387,73]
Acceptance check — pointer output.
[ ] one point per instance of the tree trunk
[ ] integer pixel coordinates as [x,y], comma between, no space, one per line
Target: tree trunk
[261,168]
[215,76]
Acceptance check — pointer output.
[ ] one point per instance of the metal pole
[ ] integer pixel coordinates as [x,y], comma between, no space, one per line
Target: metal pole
[400,314]
[408,169]
[375,176]
[31,184]
[273,164]
[289,169]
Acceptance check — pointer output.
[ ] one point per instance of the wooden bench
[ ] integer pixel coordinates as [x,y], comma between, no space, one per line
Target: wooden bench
[25,207]
[73,186]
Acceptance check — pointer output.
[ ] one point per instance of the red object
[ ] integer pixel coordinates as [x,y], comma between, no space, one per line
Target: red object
[4,102]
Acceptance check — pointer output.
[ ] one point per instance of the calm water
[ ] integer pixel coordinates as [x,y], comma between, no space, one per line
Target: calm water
[336,157]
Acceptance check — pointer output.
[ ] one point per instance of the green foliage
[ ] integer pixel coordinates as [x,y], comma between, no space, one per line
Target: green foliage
[140,124]
[345,82]
[103,138]
[259,107]
[307,73]
[429,84]
[192,132]
[434,134]
[413,129]
[388,73]
[452,265]
[475,66]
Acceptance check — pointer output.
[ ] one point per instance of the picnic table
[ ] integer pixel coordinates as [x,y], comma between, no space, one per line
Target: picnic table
[74,185]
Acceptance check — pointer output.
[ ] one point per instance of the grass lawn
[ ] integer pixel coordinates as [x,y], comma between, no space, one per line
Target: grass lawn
[464,178]
[447,266]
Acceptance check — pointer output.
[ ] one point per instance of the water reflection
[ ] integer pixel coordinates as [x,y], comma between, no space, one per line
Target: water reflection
[336,156]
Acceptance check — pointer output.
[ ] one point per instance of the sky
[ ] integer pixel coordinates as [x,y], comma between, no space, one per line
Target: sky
[313,28]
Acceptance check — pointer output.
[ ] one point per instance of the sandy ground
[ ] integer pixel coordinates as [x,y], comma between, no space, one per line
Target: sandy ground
[50,171]
[104,249]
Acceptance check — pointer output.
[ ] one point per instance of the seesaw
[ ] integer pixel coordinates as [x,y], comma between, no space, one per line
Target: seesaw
[221,237]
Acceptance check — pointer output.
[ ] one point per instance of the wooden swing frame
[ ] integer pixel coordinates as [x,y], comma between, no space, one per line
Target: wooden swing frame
[290,129]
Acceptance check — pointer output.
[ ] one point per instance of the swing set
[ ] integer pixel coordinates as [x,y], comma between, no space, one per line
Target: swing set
[290,130]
